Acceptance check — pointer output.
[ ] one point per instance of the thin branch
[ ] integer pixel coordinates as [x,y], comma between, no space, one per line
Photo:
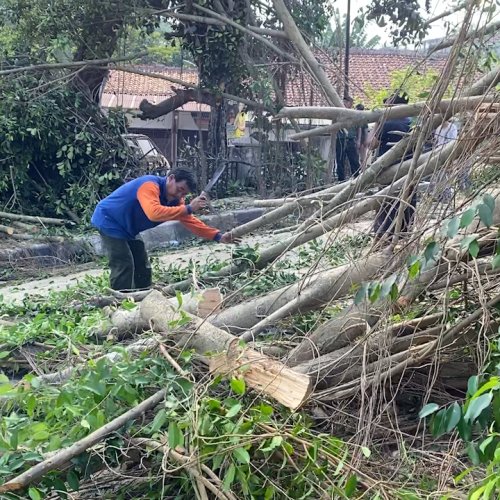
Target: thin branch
[249,32]
[62,457]
[72,64]
[446,13]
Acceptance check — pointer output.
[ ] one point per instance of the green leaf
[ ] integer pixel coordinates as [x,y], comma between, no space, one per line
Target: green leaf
[496,261]
[366,451]
[73,480]
[159,420]
[453,415]
[467,218]
[238,385]
[241,455]
[492,384]
[472,385]
[414,269]
[431,251]
[428,409]
[474,249]
[375,293]
[350,486]
[387,285]
[485,214]
[452,229]
[229,478]
[4,354]
[175,436]
[464,473]
[233,411]
[484,444]
[477,406]
[34,494]
[489,201]
[178,296]
[473,454]
[361,294]
[40,436]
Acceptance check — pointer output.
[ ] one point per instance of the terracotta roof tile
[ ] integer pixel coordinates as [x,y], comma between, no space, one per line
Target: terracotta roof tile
[366,67]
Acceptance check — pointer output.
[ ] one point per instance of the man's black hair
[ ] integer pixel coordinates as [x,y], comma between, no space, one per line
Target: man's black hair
[397,98]
[181,174]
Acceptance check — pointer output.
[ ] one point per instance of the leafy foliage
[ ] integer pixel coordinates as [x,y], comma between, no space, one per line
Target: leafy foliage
[416,83]
[402,17]
[58,150]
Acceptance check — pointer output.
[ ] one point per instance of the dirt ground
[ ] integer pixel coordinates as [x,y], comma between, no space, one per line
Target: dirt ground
[71,275]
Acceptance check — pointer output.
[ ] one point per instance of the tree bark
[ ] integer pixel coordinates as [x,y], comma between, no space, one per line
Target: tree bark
[314,67]
[328,286]
[181,97]
[261,373]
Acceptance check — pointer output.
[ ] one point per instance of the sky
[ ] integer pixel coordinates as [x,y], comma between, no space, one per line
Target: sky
[438,29]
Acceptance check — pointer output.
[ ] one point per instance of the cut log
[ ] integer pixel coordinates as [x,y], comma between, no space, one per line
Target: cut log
[35,219]
[263,373]
[6,229]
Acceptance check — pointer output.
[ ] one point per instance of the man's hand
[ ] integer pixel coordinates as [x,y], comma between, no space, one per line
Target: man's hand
[229,238]
[198,203]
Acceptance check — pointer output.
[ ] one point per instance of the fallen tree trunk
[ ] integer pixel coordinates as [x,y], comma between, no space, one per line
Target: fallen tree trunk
[351,117]
[31,218]
[394,365]
[261,372]
[327,287]
[271,253]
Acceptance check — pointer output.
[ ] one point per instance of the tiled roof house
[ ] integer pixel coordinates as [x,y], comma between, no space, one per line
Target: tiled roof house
[126,90]
[367,66]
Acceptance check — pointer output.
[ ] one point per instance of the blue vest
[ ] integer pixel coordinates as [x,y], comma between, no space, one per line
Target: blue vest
[120,214]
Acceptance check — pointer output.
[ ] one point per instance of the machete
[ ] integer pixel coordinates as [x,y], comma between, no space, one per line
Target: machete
[213,180]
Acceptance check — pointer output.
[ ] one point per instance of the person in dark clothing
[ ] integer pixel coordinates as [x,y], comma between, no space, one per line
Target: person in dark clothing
[385,220]
[142,204]
[346,148]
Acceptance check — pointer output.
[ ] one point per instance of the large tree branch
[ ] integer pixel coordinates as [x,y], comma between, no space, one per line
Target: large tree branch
[204,93]
[485,30]
[298,40]
[361,117]
[445,13]
[449,107]
[181,97]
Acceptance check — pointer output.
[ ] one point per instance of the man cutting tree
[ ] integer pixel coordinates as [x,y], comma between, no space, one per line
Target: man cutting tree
[142,204]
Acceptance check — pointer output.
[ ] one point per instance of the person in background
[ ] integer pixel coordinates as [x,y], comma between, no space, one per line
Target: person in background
[346,148]
[390,133]
[142,204]
[440,183]
[445,133]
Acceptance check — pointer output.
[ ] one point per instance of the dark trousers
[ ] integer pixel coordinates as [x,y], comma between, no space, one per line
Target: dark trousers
[386,216]
[128,263]
[346,149]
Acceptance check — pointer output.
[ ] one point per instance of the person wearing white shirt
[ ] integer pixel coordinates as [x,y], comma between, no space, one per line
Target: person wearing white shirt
[445,133]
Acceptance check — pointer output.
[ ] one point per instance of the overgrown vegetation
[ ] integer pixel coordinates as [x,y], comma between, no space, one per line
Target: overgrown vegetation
[59,152]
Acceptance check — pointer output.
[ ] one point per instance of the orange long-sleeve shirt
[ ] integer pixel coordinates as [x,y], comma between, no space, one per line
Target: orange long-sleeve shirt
[148,196]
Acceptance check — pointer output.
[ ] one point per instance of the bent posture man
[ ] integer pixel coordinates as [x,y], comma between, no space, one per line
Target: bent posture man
[143,204]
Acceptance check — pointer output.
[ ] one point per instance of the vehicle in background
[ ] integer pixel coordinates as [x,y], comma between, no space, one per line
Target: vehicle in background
[150,159]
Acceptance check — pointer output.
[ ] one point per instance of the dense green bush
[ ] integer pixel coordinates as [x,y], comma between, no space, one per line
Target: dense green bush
[58,151]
